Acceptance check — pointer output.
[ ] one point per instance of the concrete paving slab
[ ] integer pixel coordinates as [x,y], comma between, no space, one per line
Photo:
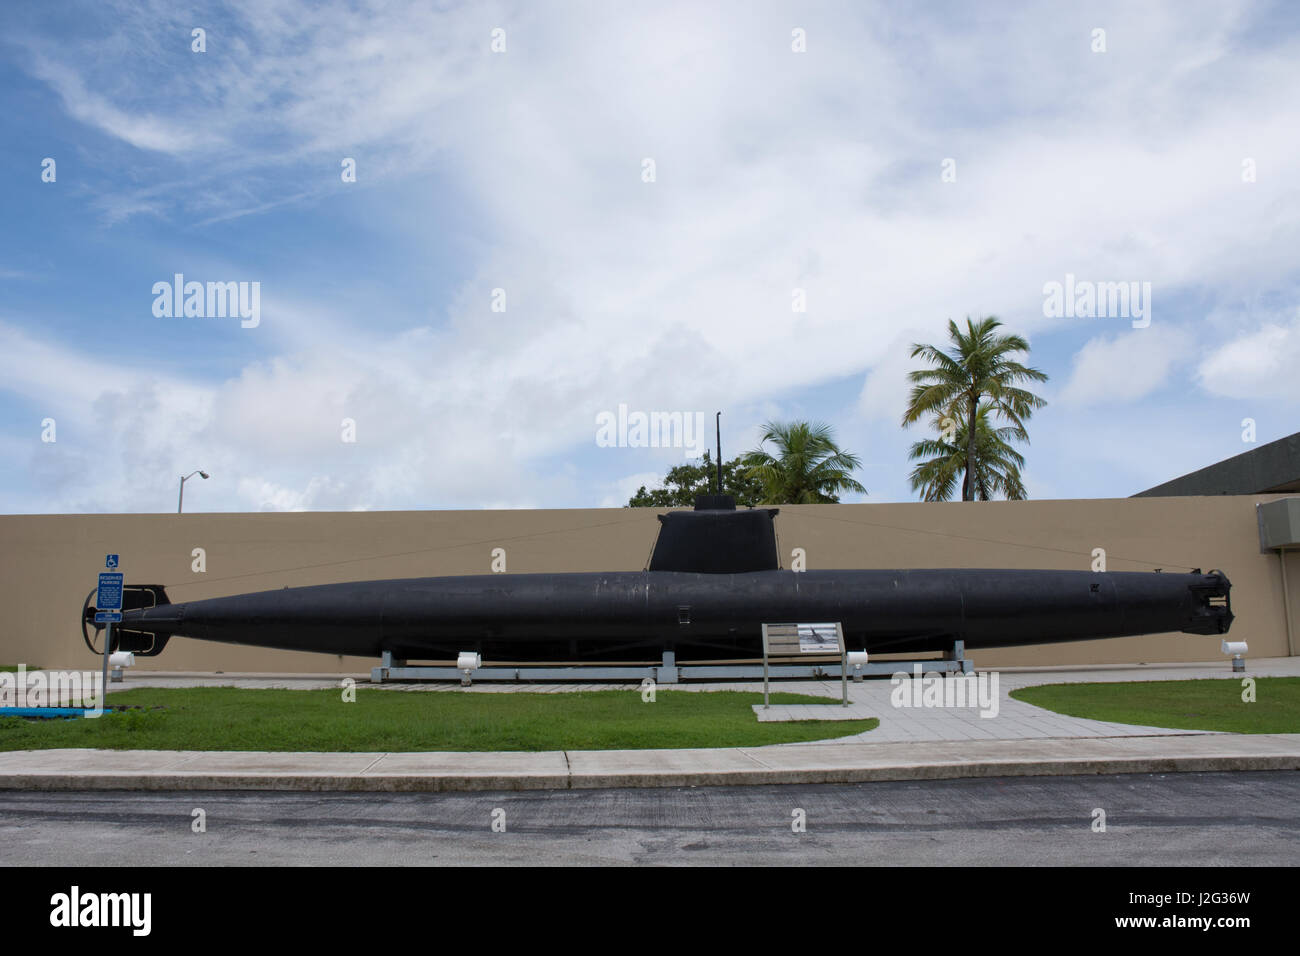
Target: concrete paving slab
[514,770]
[807,763]
[786,712]
[75,760]
[629,768]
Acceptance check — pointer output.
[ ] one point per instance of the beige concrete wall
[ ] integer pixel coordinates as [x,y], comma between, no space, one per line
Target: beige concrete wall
[49,563]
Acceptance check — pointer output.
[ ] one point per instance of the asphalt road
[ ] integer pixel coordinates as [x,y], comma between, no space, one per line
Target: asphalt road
[1177,819]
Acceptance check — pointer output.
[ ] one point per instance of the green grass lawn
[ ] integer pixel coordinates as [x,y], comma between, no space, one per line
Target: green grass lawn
[1178,704]
[223,718]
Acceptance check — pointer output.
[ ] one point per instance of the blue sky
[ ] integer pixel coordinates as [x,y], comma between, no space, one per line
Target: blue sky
[522,170]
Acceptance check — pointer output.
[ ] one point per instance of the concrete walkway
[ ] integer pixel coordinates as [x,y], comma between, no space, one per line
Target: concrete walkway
[571,770]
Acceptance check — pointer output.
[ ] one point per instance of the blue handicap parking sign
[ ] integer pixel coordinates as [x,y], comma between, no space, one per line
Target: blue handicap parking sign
[110,561]
[109,597]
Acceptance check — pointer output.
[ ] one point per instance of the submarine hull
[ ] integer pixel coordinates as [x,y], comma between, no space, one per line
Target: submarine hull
[635,616]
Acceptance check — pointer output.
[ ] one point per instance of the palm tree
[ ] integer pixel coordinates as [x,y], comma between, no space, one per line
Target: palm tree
[997,464]
[976,368]
[808,469]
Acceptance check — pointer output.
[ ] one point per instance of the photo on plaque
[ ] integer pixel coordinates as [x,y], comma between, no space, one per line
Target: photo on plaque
[818,639]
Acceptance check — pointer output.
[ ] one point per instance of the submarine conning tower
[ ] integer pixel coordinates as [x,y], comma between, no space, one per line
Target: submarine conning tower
[716,538]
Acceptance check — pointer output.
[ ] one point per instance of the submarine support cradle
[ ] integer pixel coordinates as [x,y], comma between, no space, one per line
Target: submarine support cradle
[668,672]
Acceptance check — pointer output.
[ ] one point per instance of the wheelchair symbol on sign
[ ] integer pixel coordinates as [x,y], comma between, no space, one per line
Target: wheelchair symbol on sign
[110,561]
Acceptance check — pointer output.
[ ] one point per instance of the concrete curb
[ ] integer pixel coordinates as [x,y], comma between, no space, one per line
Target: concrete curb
[582,770]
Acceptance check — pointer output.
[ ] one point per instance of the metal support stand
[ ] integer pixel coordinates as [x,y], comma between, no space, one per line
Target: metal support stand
[958,656]
[103,680]
[668,671]
[385,669]
[844,674]
[766,705]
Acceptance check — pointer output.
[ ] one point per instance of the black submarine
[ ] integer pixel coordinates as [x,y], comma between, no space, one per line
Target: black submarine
[713,579]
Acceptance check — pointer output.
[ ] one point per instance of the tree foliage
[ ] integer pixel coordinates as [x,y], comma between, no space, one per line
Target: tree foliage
[942,463]
[978,374]
[683,483]
[808,467]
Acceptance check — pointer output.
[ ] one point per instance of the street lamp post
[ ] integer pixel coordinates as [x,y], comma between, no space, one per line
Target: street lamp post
[180,502]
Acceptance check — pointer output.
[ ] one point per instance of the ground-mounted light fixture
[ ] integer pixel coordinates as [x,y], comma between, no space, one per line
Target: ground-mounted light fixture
[118,660]
[467,662]
[1238,651]
[856,659]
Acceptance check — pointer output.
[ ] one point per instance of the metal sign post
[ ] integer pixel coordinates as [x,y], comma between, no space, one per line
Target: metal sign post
[844,674]
[103,680]
[766,705]
[108,611]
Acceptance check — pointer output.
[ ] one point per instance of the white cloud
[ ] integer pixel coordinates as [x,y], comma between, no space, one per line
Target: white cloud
[1124,367]
[1263,364]
[143,131]
[885,390]
[619,492]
